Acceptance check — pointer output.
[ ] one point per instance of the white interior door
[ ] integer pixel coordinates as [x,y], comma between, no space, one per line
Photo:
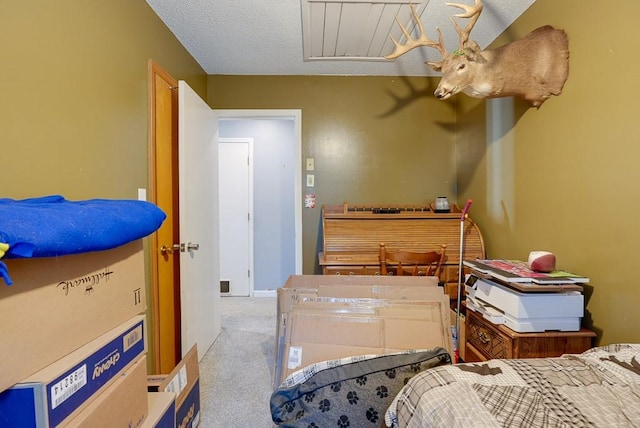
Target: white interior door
[236,214]
[199,235]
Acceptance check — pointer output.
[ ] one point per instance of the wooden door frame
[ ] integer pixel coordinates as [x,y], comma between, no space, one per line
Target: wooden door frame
[164,324]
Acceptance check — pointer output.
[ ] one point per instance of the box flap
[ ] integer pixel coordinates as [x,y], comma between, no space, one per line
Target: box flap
[183,376]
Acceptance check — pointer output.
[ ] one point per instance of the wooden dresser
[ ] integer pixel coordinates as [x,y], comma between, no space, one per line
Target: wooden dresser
[352,235]
[485,340]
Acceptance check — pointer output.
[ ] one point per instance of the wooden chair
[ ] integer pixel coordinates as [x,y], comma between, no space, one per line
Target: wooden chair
[419,263]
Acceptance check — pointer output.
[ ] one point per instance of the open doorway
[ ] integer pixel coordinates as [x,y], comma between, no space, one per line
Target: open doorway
[277,191]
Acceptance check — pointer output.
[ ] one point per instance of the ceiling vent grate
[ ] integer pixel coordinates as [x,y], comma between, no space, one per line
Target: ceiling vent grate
[353,30]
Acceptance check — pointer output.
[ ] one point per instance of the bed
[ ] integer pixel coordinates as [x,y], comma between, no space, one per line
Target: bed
[348,392]
[422,388]
[598,388]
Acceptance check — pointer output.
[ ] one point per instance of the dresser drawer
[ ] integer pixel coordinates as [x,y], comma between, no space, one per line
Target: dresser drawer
[486,338]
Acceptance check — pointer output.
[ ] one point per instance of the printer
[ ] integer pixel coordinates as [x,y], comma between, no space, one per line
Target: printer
[524,312]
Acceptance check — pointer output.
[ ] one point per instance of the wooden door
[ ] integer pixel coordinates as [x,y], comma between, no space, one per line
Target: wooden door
[164,313]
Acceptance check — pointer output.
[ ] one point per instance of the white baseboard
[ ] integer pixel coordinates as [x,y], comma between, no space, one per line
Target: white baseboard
[264,293]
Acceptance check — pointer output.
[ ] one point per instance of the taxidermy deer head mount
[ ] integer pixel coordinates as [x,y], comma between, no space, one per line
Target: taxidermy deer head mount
[533,67]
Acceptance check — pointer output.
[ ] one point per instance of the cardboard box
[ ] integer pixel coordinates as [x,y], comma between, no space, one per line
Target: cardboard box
[363,295]
[390,324]
[331,329]
[58,304]
[162,410]
[49,397]
[122,404]
[298,287]
[184,382]
[426,308]
[313,281]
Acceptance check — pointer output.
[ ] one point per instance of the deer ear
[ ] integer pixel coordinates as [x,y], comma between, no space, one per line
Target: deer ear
[435,65]
[471,50]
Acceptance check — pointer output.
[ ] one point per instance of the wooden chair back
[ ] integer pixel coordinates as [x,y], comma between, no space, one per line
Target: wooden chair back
[399,262]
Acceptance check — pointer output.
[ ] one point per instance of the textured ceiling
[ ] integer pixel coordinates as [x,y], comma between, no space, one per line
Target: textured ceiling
[265,37]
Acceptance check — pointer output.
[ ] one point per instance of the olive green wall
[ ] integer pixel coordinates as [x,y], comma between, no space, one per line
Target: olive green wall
[73,120]
[374,139]
[561,178]
[568,174]
[74,105]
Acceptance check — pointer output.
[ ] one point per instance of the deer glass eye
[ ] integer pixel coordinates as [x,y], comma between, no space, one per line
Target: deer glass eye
[461,66]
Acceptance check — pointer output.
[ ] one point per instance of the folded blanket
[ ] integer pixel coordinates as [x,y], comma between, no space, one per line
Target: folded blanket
[53,226]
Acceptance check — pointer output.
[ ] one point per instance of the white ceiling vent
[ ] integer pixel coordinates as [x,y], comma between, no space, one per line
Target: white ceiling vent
[353,30]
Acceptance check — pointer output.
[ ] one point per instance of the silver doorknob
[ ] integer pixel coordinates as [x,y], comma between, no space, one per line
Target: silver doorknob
[169,250]
[193,247]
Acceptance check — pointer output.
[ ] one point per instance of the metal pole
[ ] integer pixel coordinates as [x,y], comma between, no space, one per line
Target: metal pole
[460,276]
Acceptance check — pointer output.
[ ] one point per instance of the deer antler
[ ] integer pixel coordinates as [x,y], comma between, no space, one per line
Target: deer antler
[411,43]
[533,67]
[471,12]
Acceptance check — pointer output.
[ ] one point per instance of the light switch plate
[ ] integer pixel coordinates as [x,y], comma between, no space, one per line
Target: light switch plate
[311,164]
[142,194]
[311,180]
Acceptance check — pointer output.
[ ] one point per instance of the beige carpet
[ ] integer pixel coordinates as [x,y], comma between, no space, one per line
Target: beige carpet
[236,373]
